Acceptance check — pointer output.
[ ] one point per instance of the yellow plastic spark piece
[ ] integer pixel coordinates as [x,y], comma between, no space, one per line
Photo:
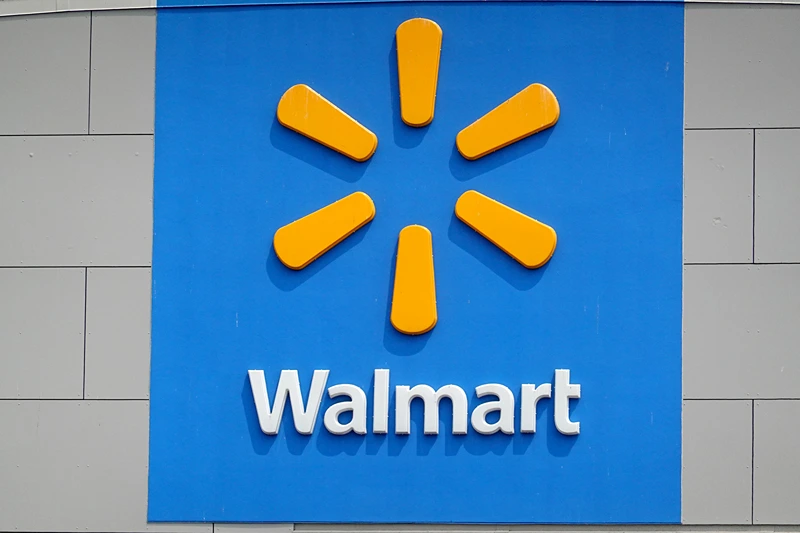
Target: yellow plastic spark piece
[419,45]
[414,298]
[531,110]
[527,240]
[304,240]
[305,111]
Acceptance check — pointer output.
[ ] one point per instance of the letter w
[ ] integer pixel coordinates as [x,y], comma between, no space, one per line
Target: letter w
[288,385]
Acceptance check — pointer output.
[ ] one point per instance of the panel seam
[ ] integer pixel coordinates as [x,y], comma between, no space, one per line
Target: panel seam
[741,128]
[151,266]
[85,307]
[754,198]
[786,399]
[74,399]
[770,263]
[89,113]
[752,461]
[22,135]
[73,266]
[21,267]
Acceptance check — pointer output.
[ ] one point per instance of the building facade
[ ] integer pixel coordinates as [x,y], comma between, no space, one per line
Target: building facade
[76,218]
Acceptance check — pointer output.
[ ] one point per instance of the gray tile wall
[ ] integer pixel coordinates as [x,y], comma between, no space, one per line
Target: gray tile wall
[76,146]
[777,195]
[717,486]
[123,75]
[41,333]
[776,468]
[741,365]
[44,73]
[76,200]
[117,333]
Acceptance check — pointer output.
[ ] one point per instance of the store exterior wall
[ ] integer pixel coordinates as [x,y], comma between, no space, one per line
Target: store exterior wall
[76,160]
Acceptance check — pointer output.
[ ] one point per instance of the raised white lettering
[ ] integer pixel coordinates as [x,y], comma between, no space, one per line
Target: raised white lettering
[504,404]
[357,405]
[269,419]
[404,395]
[531,394]
[380,416]
[564,391]
[305,414]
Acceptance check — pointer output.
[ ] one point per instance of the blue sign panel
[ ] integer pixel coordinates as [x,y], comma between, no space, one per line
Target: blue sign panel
[599,324]
[208,3]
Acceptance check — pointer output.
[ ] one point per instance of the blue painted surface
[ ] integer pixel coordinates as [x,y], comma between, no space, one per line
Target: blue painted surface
[607,177]
[219,3]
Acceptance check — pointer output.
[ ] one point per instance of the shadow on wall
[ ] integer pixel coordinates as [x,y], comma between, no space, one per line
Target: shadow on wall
[351,444]
[494,258]
[288,280]
[309,151]
[464,170]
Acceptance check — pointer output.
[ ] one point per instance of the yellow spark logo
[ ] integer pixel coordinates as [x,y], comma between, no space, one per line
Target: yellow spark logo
[530,242]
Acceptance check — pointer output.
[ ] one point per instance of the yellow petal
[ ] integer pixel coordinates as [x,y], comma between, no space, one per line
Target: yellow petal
[305,111]
[419,45]
[527,240]
[531,110]
[414,298]
[304,240]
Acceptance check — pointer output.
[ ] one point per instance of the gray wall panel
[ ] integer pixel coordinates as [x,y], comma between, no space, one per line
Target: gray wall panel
[73,465]
[717,451]
[778,195]
[76,200]
[45,81]
[777,462]
[41,333]
[742,66]
[718,196]
[123,76]
[67,466]
[118,333]
[741,331]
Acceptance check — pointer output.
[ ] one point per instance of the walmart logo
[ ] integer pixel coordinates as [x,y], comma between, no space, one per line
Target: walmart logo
[527,240]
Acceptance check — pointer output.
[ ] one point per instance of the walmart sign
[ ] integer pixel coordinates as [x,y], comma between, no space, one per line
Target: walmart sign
[305,416]
[406,246]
